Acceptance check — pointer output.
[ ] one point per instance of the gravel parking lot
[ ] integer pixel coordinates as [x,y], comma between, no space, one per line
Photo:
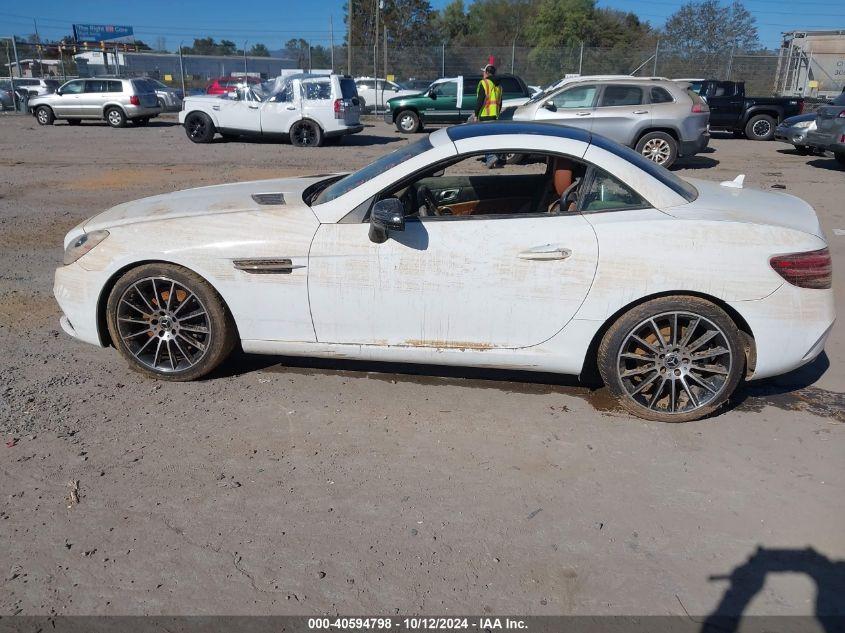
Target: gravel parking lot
[289,486]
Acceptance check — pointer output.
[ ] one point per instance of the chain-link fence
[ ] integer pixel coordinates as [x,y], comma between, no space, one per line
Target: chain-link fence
[764,73]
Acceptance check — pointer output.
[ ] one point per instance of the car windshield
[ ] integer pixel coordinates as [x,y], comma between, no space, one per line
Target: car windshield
[355,179]
[840,100]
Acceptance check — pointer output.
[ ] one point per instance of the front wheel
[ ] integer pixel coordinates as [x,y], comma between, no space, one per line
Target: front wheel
[199,127]
[658,147]
[672,359]
[306,134]
[115,117]
[408,121]
[760,128]
[44,116]
[169,323]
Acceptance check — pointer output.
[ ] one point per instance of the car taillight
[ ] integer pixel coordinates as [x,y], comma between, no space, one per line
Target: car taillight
[811,269]
[339,108]
[698,108]
[135,100]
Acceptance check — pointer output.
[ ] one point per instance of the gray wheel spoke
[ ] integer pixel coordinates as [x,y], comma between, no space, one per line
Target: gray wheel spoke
[128,320]
[646,344]
[701,340]
[136,334]
[182,305]
[157,353]
[713,369]
[693,325]
[141,349]
[638,371]
[187,356]
[134,307]
[638,357]
[170,356]
[701,382]
[673,338]
[657,393]
[645,383]
[690,395]
[658,334]
[192,342]
[192,315]
[199,329]
[143,298]
[673,398]
[170,294]
[710,353]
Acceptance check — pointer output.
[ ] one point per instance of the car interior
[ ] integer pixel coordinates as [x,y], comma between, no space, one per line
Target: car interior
[542,184]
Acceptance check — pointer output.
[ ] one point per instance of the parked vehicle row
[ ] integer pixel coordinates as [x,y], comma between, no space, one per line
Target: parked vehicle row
[830,129]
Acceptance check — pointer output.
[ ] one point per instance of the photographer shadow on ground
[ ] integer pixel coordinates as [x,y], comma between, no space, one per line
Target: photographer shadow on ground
[747,580]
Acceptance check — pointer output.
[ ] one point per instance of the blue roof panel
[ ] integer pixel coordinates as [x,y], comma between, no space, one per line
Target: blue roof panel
[495,128]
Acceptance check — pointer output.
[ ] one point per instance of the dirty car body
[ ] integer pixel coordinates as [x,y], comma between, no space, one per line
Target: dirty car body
[398,262]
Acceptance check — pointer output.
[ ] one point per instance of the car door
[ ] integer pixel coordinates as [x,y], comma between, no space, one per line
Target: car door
[621,111]
[68,103]
[239,114]
[573,106]
[725,103]
[92,100]
[280,111]
[442,106]
[494,281]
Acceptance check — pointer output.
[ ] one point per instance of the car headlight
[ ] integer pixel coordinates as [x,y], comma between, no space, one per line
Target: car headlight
[82,244]
[803,124]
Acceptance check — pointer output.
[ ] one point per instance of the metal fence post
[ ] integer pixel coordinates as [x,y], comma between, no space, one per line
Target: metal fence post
[18,67]
[443,59]
[182,70]
[581,58]
[656,51]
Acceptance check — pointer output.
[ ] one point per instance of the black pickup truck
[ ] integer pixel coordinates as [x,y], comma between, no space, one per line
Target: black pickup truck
[754,117]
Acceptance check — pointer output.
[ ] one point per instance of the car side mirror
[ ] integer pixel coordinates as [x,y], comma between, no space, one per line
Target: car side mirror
[387,215]
[551,107]
[431,94]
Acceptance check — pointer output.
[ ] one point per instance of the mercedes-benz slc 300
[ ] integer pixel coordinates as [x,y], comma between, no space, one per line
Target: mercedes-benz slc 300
[586,255]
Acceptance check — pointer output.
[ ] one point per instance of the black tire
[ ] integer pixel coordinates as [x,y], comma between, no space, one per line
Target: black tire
[141,122]
[159,326]
[115,117]
[161,104]
[306,133]
[199,127]
[44,115]
[721,371]
[74,121]
[515,159]
[760,127]
[658,147]
[408,121]
[840,157]
[803,150]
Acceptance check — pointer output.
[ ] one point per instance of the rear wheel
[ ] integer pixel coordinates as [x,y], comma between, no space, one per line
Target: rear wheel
[169,323]
[408,121]
[199,127]
[803,150]
[672,359]
[658,147]
[306,134]
[44,115]
[115,117]
[760,127]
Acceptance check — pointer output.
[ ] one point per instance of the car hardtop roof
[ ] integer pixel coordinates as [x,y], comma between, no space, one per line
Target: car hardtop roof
[497,128]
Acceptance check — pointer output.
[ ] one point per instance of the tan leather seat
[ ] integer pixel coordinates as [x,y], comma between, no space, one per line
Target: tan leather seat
[562,175]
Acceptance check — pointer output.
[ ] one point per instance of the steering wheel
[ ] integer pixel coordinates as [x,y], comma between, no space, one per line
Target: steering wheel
[567,199]
[428,199]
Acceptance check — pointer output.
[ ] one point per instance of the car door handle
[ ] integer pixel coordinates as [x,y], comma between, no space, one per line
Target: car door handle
[545,252]
[290,108]
[583,113]
[640,111]
[253,107]
[448,195]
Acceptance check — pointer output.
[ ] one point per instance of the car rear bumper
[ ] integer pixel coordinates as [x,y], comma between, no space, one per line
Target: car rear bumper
[690,148]
[350,129]
[141,112]
[824,141]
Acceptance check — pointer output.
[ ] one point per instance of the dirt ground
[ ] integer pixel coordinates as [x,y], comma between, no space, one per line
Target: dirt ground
[283,486]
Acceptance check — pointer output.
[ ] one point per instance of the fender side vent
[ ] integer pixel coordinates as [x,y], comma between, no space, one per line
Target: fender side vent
[269,198]
[266,266]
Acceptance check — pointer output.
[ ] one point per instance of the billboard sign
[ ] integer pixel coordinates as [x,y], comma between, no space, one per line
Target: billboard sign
[102,33]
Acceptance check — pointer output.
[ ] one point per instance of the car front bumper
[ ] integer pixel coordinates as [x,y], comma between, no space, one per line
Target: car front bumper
[795,136]
[77,292]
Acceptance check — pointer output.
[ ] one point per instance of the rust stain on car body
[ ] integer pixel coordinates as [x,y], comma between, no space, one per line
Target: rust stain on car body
[447,344]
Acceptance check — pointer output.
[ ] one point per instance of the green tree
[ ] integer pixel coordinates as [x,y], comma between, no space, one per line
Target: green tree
[709,28]
[259,50]
[453,22]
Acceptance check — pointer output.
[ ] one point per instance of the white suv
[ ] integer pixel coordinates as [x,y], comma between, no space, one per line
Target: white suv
[309,109]
[374,93]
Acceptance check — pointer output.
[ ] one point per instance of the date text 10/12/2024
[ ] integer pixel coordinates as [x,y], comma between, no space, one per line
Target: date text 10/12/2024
[418,624]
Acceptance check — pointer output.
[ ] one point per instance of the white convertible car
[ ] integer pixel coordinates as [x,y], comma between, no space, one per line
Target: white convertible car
[587,256]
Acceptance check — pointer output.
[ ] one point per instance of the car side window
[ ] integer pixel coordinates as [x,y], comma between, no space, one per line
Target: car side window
[621,96]
[114,86]
[577,97]
[660,95]
[316,90]
[74,87]
[607,193]
[94,85]
[446,89]
[510,86]
[286,94]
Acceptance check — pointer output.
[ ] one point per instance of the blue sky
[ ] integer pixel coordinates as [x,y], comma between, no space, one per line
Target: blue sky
[275,21]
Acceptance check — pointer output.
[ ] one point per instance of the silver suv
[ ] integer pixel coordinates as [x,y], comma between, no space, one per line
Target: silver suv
[115,100]
[659,118]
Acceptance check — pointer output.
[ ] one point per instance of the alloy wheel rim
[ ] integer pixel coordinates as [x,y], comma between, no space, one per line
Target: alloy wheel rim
[114,117]
[42,116]
[762,128]
[163,324]
[197,127]
[304,134]
[657,150]
[675,362]
[407,123]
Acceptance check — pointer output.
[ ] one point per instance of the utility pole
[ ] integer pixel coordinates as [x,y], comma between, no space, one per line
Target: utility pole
[331,40]
[40,52]
[310,68]
[245,43]
[18,67]
[349,38]
[375,46]
[384,83]
[182,70]
[656,51]
[581,58]
[443,59]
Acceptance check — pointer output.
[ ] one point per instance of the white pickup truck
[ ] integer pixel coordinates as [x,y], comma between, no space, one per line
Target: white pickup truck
[308,109]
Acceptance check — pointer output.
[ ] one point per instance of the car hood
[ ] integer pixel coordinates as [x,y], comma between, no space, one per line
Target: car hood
[206,201]
[751,206]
